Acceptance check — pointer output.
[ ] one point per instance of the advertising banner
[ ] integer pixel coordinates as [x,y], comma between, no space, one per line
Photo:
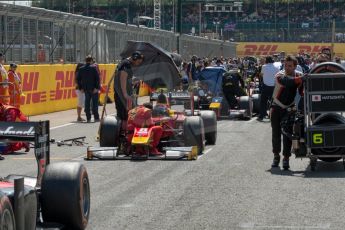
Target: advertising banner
[267,48]
[51,88]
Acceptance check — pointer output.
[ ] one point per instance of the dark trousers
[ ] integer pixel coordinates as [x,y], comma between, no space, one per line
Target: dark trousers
[89,96]
[277,114]
[266,95]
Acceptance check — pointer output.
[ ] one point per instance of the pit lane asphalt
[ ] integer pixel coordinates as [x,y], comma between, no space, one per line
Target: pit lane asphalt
[230,187]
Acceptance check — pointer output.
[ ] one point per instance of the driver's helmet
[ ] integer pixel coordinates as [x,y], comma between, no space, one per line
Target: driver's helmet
[162,99]
[160,110]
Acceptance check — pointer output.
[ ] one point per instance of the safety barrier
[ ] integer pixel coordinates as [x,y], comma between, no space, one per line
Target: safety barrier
[269,48]
[51,88]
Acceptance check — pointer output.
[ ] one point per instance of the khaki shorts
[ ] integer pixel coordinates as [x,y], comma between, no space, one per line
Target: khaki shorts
[81,98]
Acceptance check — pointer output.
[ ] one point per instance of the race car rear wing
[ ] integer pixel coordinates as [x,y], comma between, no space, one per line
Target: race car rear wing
[35,132]
[172,96]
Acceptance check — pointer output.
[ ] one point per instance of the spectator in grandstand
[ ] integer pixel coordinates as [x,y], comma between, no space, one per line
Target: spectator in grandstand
[268,71]
[80,94]
[15,88]
[89,82]
[3,80]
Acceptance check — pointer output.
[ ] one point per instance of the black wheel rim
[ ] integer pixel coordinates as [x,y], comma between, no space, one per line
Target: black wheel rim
[7,220]
[86,197]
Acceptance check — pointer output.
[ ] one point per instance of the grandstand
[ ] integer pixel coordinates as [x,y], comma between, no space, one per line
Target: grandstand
[257,20]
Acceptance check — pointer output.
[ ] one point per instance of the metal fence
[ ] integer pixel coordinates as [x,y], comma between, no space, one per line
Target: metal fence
[35,35]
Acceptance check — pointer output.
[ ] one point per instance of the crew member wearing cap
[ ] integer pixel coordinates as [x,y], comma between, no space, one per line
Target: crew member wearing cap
[3,80]
[123,86]
[89,82]
[15,89]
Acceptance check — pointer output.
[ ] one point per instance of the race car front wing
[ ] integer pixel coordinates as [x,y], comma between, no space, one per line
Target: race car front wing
[169,153]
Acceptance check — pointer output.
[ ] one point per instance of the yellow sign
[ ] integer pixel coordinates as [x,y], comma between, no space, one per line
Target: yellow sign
[318,138]
[51,88]
[270,48]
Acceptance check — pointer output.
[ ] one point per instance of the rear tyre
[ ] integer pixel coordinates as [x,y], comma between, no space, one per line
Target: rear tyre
[66,195]
[256,103]
[109,132]
[7,220]
[224,111]
[325,120]
[193,130]
[209,119]
[246,103]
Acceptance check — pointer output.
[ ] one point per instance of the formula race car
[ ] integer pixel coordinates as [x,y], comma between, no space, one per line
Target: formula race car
[318,127]
[219,91]
[182,137]
[58,197]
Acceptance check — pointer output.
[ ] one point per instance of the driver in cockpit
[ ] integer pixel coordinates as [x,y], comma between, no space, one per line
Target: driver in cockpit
[161,109]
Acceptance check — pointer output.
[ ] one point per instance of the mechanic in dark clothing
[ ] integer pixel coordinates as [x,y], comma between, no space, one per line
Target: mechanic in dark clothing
[231,87]
[287,83]
[192,69]
[123,86]
[89,82]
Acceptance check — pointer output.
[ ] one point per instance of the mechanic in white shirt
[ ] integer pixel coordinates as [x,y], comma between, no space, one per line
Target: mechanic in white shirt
[268,72]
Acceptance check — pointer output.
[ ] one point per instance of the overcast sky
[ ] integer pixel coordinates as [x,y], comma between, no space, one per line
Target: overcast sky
[18,2]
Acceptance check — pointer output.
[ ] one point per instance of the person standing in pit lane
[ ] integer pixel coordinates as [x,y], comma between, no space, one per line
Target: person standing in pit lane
[268,71]
[287,83]
[123,90]
[80,94]
[89,82]
[15,89]
[3,80]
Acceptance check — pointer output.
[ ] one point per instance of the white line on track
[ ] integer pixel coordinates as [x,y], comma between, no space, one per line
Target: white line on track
[68,124]
[61,126]
[205,152]
[254,226]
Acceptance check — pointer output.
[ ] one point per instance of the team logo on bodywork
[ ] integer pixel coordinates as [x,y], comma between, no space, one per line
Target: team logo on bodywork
[316,98]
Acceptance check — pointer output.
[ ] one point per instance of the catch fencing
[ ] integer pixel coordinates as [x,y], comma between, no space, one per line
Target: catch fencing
[35,35]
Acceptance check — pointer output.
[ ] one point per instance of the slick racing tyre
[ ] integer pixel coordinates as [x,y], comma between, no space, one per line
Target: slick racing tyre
[7,220]
[209,119]
[328,67]
[256,103]
[109,132]
[246,103]
[194,134]
[66,195]
[325,120]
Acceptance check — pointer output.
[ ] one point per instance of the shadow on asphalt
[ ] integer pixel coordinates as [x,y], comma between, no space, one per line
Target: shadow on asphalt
[323,170]
[16,154]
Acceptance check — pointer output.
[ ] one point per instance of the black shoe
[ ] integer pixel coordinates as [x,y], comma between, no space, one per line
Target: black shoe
[2,158]
[259,119]
[276,161]
[286,164]
[96,120]
[88,121]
